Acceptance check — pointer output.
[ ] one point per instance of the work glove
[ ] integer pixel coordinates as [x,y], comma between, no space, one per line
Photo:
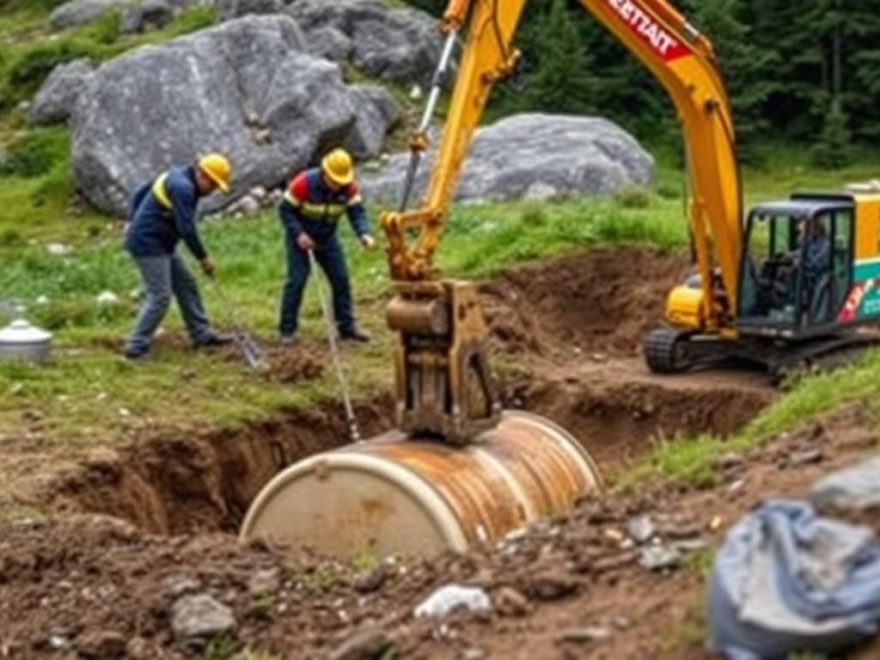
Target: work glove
[305,242]
[208,267]
[368,242]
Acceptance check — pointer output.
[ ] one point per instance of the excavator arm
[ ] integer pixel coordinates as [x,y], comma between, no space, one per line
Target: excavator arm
[439,320]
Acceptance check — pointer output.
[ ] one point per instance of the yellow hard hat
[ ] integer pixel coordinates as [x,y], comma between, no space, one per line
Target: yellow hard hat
[217,168]
[338,167]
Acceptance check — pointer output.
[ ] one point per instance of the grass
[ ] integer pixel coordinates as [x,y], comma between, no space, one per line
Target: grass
[91,392]
[88,392]
[692,460]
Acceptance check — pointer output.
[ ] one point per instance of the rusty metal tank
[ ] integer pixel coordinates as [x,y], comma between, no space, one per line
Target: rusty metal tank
[417,497]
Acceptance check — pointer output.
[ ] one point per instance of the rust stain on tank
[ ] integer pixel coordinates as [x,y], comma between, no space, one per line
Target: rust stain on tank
[376,509]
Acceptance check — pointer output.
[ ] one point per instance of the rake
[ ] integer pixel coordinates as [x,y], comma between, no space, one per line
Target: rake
[251,353]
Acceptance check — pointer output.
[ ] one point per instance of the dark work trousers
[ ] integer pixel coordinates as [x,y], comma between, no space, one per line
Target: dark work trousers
[329,254]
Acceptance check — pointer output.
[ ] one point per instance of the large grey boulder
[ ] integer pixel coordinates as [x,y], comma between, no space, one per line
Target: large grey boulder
[537,156]
[401,45]
[59,93]
[147,14]
[331,44]
[229,9]
[377,111]
[80,12]
[263,101]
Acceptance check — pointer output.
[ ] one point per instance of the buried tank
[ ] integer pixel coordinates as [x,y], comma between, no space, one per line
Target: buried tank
[418,497]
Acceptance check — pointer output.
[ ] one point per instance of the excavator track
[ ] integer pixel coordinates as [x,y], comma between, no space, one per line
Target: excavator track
[666,350]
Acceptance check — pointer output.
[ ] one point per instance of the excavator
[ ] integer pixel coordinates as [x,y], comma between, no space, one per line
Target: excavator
[782,285]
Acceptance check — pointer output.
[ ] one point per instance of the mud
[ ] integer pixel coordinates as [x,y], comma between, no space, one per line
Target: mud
[85,579]
[593,303]
[177,483]
[619,413]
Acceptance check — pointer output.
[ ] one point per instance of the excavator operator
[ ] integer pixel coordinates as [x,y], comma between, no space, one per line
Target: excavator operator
[809,258]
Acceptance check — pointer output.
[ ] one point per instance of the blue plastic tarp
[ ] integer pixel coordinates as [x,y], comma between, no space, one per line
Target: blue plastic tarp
[786,580]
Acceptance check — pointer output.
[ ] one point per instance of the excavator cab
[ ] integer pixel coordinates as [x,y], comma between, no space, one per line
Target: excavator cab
[797,267]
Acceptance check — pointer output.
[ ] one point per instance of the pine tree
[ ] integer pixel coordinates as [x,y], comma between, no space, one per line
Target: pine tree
[562,80]
[834,148]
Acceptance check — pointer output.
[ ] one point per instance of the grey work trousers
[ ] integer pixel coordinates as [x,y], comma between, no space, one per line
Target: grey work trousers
[161,277]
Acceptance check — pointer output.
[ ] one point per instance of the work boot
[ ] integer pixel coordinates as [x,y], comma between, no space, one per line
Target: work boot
[287,340]
[137,354]
[355,334]
[214,339]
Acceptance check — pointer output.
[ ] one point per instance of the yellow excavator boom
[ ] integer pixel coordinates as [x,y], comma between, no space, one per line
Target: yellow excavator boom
[683,62]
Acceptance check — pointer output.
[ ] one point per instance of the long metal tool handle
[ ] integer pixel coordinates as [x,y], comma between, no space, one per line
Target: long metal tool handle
[353,429]
[252,353]
[436,88]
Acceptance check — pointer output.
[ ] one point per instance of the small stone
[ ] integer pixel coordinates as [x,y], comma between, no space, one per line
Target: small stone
[176,586]
[854,488]
[371,580]
[804,457]
[199,617]
[613,534]
[473,654]
[614,562]
[621,622]
[452,597]
[58,249]
[264,582]
[736,486]
[366,644]
[139,648]
[690,545]
[551,585]
[658,557]
[641,529]
[248,205]
[584,634]
[102,644]
[729,461]
[107,298]
[510,602]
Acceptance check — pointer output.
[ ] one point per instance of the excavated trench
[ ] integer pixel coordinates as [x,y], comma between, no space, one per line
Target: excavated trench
[568,331]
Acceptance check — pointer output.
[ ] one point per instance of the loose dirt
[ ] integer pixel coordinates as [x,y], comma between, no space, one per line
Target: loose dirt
[134,529]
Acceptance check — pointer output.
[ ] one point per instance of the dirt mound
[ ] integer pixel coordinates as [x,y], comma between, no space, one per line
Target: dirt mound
[597,302]
[618,412]
[573,588]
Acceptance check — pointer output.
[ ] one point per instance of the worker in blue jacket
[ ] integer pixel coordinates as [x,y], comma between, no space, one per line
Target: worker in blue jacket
[163,212]
[310,210]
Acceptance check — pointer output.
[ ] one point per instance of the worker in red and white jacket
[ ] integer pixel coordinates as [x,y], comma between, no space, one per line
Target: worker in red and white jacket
[315,200]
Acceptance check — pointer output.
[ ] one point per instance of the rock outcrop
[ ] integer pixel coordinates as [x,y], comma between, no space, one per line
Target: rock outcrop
[247,88]
[60,92]
[135,13]
[400,45]
[537,156]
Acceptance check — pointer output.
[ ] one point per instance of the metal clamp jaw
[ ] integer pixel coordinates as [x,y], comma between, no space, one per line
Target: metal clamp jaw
[444,386]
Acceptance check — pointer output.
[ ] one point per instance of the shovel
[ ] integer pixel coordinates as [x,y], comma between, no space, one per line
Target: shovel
[250,352]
